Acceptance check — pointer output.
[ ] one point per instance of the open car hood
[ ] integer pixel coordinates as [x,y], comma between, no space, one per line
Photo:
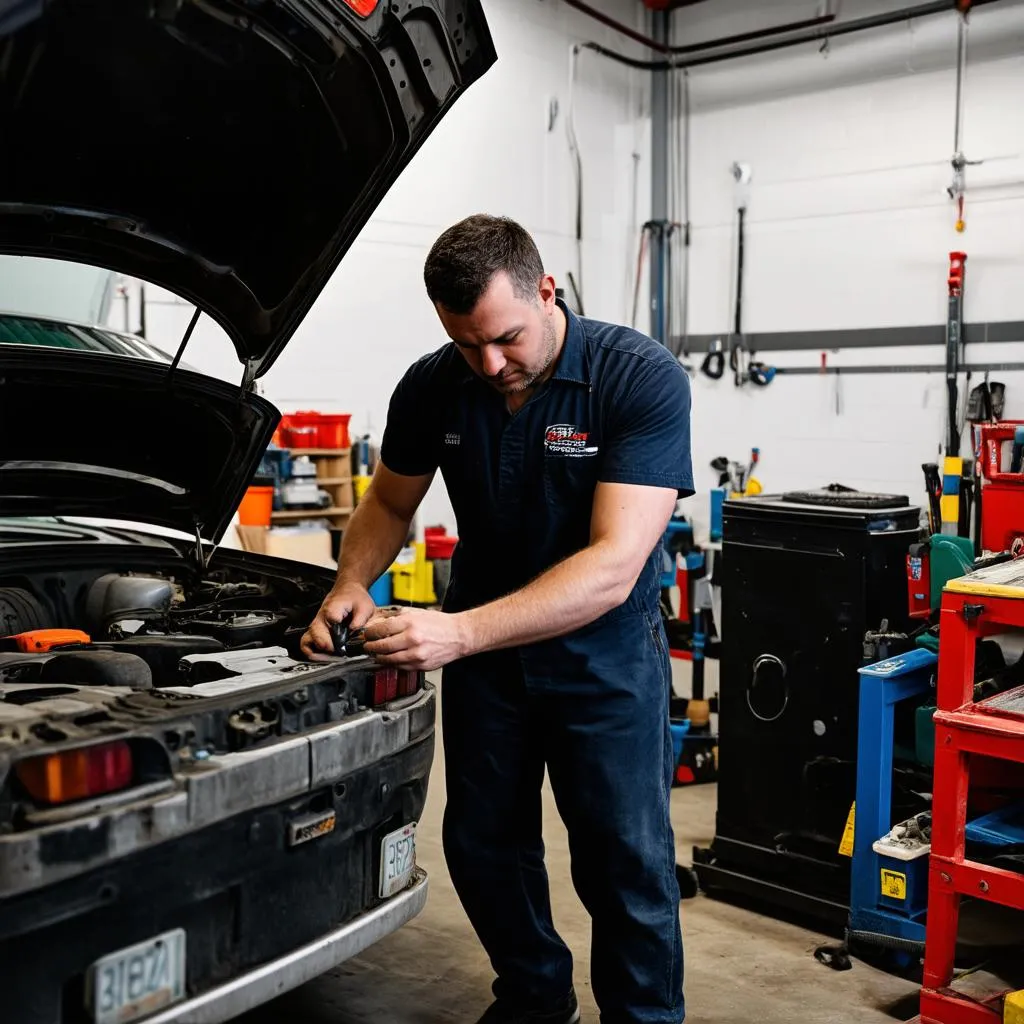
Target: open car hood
[250,140]
[101,436]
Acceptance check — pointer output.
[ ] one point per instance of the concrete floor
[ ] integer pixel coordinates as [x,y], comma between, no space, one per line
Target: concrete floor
[740,966]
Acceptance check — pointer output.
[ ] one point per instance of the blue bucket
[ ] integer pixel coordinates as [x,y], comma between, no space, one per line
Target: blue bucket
[381,591]
[679,730]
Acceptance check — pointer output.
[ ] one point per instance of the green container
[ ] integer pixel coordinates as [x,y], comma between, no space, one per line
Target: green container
[951,558]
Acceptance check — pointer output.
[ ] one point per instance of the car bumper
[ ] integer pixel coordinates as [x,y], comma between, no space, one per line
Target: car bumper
[296,968]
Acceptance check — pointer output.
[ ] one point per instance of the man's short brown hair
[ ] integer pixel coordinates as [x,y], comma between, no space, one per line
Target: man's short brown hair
[466,257]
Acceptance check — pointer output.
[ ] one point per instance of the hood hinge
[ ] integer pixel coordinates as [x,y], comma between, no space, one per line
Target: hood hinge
[202,560]
[249,376]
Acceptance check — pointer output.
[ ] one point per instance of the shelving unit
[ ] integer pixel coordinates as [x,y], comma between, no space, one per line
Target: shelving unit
[334,475]
[984,603]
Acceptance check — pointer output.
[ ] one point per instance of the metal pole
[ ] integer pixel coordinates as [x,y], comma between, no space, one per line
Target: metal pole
[659,183]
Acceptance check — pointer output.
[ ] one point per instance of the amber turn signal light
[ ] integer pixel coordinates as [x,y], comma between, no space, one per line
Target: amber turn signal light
[76,774]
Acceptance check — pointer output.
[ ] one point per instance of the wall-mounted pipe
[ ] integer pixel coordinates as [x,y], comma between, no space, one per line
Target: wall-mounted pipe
[711,44]
[821,34]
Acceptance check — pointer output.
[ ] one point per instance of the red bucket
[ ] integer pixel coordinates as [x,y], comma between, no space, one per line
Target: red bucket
[332,430]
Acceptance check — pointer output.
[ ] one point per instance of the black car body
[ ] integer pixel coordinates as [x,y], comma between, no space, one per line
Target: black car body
[193,819]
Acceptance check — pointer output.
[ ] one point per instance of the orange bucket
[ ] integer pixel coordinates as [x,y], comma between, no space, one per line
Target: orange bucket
[256,506]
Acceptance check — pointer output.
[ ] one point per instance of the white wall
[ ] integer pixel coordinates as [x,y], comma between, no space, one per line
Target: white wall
[848,226]
[493,153]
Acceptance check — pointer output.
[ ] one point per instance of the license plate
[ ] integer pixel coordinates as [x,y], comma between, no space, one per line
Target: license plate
[397,861]
[135,982]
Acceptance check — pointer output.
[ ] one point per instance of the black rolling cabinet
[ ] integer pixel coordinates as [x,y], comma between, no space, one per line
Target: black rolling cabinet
[804,576]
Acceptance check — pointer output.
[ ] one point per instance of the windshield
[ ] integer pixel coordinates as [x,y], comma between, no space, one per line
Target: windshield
[28,330]
[58,304]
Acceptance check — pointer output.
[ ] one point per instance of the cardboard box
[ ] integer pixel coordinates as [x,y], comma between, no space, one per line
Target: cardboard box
[293,543]
[334,468]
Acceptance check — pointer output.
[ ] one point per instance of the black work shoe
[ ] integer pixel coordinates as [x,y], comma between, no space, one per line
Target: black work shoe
[566,1012]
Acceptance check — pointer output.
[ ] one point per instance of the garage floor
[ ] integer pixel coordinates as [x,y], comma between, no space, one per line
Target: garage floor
[740,966]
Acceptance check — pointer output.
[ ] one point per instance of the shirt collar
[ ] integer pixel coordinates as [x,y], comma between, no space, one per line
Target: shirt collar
[573,364]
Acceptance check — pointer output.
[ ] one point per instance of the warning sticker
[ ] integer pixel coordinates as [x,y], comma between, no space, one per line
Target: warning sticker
[894,884]
[846,843]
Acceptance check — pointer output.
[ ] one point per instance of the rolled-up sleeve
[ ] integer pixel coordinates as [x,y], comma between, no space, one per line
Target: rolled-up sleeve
[648,437]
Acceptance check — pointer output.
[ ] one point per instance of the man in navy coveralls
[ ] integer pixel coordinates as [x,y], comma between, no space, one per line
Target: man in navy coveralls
[564,444]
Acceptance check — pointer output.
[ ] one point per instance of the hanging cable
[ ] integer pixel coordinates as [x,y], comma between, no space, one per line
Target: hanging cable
[577,165]
[684,311]
[958,188]
[641,254]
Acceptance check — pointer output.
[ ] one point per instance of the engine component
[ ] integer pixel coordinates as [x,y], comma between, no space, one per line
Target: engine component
[163,654]
[41,641]
[238,628]
[116,596]
[20,612]
[98,668]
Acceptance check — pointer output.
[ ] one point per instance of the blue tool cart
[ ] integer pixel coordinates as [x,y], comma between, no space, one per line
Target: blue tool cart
[889,871]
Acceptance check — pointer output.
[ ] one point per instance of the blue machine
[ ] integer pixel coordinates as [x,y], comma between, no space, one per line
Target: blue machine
[888,894]
[669,543]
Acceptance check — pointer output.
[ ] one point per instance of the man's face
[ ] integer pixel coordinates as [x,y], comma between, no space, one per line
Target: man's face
[509,341]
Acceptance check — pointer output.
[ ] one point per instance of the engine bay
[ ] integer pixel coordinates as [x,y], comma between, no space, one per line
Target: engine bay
[140,629]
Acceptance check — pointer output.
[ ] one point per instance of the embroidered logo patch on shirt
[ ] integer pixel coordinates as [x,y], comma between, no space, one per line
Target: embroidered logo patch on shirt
[568,440]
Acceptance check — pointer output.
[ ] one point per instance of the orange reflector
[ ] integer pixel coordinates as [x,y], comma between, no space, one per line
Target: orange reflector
[363,8]
[39,641]
[76,774]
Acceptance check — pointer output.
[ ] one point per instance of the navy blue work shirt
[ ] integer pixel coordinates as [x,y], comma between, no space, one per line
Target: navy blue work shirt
[615,410]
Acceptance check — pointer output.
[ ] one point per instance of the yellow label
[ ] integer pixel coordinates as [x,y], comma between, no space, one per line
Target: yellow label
[894,885]
[949,508]
[1013,1008]
[846,843]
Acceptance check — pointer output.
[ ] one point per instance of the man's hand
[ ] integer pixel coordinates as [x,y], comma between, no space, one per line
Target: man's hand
[417,639]
[345,601]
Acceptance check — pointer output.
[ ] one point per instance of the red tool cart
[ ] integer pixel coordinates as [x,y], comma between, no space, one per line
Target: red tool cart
[1002,495]
[984,603]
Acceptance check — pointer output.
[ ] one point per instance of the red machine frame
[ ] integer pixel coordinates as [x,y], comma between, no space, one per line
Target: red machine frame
[964,729]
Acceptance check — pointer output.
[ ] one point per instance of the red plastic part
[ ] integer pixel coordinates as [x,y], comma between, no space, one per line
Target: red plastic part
[440,547]
[364,8]
[957,262]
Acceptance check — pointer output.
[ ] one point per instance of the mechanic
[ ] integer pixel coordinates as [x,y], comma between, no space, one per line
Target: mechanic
[564,444]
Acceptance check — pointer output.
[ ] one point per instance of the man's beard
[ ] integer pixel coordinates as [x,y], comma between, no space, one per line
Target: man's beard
[529,378]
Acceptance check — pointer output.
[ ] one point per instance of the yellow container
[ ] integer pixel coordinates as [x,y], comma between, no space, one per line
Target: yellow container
[361,484]
[1013,1008]
[412,577]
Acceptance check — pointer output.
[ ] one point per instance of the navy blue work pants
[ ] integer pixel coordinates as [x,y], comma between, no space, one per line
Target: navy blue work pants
[606,745]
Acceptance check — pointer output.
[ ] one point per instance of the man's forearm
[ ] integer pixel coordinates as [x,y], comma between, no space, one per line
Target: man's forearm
[567,597]
[372,541]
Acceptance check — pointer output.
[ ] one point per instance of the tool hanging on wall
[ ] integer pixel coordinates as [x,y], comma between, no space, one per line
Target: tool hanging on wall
[713,365]
[745,368]
[954,346]
[958,188]
[955,501]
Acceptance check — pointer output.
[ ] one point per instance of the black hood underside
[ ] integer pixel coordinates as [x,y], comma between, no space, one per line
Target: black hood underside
[228,150]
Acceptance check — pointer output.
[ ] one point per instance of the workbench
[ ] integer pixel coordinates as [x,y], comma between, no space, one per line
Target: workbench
[984,603]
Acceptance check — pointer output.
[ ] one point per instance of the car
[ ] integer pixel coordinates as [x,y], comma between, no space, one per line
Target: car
[48,332]
[193,817]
